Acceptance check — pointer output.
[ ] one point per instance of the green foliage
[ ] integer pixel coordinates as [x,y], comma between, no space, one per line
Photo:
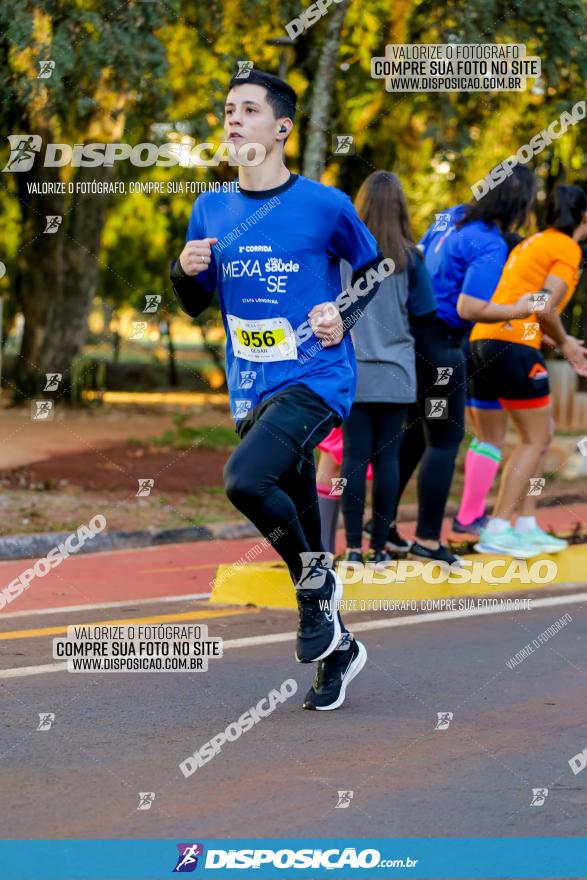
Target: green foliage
[182,436]
[150,70]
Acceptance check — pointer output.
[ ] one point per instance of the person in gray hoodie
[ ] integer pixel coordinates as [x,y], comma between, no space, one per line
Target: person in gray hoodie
[386,367]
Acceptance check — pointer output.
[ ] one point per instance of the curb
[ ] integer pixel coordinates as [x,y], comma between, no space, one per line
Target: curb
[38,545]
[29,546]
[268,584]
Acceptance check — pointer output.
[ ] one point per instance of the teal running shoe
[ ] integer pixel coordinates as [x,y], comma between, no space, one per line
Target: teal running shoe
[509,542]
[543,541]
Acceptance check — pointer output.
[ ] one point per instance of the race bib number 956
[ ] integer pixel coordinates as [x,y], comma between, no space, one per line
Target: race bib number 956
[270,339]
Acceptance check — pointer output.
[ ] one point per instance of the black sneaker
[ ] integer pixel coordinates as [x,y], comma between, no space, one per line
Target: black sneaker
[442,554]
[395,543]
[319,627]
[333,675]
[380,559]
[353,559]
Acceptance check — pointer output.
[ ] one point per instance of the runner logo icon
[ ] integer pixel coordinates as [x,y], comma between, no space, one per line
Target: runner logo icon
[23,151]
[53,380]
[444,374]
[343,145]
[187,860]
[247,378]
[315,566]
[53,223]
[46,719]
[241,408]
[530,330]
[338,484]
[441,223]
[344,799]
[436,408]
[152,302]
[146,799]
[46,69]
[539,795]
[444,719]
[536,485]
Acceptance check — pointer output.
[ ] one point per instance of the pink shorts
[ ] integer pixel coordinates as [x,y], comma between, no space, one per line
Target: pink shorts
[333,446]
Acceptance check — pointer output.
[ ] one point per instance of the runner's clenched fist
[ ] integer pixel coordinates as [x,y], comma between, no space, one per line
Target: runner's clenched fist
[196,256]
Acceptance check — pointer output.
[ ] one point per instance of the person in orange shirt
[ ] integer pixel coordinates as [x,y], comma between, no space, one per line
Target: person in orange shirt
[508,369]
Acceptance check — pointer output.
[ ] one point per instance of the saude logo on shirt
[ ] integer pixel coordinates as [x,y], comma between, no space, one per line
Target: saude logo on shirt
[265,273]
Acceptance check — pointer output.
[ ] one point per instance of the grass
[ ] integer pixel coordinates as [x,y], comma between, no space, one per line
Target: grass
[182,436]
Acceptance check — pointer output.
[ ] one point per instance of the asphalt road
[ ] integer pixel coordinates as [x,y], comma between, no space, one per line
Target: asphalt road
[116,735]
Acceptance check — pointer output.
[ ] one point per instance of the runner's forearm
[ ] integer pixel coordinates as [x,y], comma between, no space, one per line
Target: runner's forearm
[193,297]
[552,325]
[485,312]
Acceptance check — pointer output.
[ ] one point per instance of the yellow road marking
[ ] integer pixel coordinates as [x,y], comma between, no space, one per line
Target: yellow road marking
[158,618]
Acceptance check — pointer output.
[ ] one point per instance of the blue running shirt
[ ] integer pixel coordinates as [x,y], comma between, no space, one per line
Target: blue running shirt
[466,259]
[278,255]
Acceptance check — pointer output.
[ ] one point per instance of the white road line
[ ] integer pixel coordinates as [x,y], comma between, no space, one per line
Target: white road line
[129,603]
[366,626]
[22,671]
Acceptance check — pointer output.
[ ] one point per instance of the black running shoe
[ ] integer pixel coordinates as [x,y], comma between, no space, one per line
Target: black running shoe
[395,543]
[333,675]
[380,559]
[319,627]
[442,554]
[353,559]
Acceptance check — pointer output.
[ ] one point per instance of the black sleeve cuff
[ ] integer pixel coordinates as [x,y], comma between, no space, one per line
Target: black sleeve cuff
[192,296]
[177,270]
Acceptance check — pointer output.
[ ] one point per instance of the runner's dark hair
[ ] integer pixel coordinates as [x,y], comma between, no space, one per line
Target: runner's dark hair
[509,203]
[381,205]
[280,95]
[566,206]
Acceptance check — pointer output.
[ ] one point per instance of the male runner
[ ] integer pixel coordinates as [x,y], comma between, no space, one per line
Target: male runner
[273,250]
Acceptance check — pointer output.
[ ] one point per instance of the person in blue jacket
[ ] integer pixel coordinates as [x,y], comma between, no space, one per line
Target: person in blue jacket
[272,250]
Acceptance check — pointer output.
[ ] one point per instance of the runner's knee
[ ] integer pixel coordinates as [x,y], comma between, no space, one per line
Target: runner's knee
[239,486]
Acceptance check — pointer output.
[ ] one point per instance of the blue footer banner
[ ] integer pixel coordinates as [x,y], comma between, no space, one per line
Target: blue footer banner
[528,857]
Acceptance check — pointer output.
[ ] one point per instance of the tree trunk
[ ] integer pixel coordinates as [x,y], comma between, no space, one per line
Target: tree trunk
[69,315]
[40,271]
[172,363]
[57,274]
[323,94]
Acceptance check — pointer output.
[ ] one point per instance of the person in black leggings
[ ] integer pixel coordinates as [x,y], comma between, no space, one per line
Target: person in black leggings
[386,376]
[372,433]
[433,442]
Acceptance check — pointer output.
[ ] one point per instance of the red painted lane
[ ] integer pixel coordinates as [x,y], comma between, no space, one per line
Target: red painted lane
[151,572]
[174,569]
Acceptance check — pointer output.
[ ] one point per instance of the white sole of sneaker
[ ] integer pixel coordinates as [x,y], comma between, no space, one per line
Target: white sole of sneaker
[393,548]
[351,673]
[519,554]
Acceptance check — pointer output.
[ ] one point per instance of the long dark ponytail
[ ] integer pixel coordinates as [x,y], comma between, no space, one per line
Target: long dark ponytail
[566,207]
